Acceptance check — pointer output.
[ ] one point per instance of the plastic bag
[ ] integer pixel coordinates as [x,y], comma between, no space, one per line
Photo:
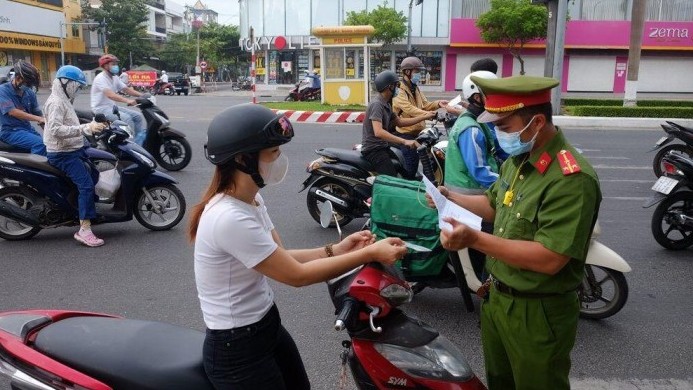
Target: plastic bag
[108,184]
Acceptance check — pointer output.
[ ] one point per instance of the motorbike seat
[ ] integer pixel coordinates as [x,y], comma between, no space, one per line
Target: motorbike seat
[128,354]
[84,116]
[12,149]
[32,161]
[348,156]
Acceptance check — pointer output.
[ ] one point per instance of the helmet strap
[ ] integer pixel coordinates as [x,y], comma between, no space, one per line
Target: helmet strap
[250,166]
[63,84]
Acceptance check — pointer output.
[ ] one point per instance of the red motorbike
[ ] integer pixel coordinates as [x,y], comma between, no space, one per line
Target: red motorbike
[160,88]
[303,92]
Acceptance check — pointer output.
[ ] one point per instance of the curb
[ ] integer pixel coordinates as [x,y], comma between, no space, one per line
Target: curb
[323,117]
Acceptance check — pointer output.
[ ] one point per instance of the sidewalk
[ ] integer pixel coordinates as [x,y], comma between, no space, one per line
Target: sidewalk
[594,123]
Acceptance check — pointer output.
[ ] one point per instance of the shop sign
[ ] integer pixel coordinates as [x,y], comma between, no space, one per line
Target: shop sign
[22,18]
[277,42]
[141,78]
[10,40]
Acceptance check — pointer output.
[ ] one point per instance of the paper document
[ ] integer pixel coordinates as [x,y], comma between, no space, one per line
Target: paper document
[456,101]
[416,248]
[447,208]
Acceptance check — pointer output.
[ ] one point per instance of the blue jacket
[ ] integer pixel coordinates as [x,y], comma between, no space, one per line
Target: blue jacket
[10,99]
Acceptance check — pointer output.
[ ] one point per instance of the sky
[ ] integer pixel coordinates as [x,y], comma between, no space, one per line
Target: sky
[227,9]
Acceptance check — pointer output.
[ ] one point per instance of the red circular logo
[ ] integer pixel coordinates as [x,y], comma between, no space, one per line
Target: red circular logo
[280,42]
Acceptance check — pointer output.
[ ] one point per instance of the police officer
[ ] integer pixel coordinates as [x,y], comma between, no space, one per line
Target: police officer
[544,206]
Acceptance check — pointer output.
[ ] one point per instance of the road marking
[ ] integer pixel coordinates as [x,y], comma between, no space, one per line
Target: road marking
[639,198]
[607,158]
[632,384]
[627,181]
[619,167]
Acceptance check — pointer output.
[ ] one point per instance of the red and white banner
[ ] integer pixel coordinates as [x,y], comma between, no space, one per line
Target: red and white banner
[323,117]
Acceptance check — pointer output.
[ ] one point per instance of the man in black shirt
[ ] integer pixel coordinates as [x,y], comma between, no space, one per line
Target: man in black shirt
[379,123]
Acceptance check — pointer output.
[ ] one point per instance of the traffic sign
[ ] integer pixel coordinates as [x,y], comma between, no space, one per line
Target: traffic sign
[203,64]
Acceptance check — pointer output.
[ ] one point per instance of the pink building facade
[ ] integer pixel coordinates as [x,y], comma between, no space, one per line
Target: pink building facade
[596,56]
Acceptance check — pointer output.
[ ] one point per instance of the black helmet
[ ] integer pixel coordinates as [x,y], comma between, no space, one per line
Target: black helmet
[411,63]
[28,72]
[245,128]
[384,79]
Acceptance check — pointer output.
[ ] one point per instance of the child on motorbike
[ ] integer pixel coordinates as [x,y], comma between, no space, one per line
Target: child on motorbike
[65,145]
[378,128]
[237,249]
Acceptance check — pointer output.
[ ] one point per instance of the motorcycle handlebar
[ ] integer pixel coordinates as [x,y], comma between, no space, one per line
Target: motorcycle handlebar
[345,313]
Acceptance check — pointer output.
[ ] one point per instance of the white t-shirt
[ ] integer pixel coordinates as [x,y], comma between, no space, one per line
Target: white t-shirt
[164,78]
[102,82]
[232,238]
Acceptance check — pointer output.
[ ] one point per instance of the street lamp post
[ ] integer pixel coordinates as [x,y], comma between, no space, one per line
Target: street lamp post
[62,46]
[411,3]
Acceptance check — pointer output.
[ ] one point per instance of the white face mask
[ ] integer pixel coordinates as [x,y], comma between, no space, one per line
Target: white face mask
[275,171]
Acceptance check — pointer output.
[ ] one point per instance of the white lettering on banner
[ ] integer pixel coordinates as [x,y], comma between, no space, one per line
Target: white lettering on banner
[663,32]
[269,43]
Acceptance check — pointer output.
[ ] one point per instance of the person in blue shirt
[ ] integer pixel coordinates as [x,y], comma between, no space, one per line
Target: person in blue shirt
[472,162]
[19,107]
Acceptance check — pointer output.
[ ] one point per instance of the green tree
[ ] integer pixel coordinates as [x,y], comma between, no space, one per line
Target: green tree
[513,23]
[125,28]
[390,25]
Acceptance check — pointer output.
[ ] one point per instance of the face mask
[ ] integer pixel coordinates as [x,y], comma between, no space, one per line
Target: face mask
[115,69]
[416,78]
[275,171]
[72,89]
[511,142]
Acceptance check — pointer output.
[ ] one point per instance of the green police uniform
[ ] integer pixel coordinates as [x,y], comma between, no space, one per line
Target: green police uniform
[457,176]
[550,196]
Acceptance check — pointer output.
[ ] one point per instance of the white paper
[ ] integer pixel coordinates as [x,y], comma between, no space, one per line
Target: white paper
[416,248]
[449,209]
[456,101]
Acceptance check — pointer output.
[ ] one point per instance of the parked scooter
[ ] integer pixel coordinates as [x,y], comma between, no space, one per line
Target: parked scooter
[44,197]
[672,220]
[674,131]
[169,146]
[345,178]
[387,348]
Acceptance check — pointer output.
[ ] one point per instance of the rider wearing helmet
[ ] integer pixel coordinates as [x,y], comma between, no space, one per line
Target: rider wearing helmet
[19,107]
[237,250]
[411,103]
[104,91]
[471,164]
[65,145]
[378,126]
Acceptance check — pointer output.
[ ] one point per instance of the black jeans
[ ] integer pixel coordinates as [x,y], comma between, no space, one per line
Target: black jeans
[411,158]
[260,356]
[381,161]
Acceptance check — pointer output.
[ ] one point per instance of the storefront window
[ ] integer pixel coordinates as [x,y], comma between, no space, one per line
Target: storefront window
[344,63]
[380,60]
[334,61]
[255,20]
[297,18]
[260,68]
[272,66]
[302,65]
[325,13]
[274,17]
[432,60]
[316,60]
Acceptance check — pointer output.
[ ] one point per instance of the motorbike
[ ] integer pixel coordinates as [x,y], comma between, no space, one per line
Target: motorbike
[42,196]
[401,351]
[345,178]
[674,131]
[169,146]
[161,88]
[672,220]
[303,92]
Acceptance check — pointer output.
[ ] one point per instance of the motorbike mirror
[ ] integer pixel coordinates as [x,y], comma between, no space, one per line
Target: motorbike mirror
[101,118]
[327,214]
[116,112]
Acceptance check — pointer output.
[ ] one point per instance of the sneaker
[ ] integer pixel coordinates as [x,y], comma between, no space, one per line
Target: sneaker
[88,238]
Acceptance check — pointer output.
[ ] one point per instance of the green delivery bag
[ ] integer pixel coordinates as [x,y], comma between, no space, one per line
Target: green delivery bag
[399,209]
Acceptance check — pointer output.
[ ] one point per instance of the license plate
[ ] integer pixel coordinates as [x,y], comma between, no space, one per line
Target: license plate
[661,141]
[664,185]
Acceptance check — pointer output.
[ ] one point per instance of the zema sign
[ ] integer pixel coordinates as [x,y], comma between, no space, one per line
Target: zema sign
[277,42]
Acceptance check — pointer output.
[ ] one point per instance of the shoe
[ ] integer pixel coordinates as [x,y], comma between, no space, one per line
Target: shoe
[88,238]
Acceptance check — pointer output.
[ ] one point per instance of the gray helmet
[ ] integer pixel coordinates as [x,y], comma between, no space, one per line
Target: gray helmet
[384,79]
[245,128]
[411,63]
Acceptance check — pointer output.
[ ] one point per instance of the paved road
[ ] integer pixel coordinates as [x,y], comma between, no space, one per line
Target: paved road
[149,275]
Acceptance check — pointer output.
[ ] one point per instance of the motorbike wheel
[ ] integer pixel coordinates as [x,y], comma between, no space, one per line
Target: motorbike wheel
[165,212]
[333,187]
[679,149]
[289,98]
[10,229]
[669,221]
[173,153]
[603,292]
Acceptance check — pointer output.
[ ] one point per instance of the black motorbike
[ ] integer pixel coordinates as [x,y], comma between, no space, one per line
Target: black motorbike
[672,220]
[169,146]
[345,178]
[674,131]
[41,196]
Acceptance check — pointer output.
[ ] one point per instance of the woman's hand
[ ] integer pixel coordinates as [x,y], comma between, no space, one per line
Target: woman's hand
[353,242]
[388,250]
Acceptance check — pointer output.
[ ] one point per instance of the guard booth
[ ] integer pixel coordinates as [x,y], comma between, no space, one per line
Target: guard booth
[344,63]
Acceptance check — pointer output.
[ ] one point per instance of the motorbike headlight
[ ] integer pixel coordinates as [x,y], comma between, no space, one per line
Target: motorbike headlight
[126,129]
[144,159]
[397,294]
[439,359]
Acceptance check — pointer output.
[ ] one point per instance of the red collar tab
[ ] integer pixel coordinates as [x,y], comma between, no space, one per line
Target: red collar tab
[543,163]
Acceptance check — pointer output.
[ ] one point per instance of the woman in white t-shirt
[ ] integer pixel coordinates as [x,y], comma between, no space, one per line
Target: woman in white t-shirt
[237,249]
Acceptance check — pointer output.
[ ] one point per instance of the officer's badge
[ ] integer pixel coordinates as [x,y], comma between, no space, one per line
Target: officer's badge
[543,163]
[568,163]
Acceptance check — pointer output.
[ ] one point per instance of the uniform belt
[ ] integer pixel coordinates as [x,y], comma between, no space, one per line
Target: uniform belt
[505,289]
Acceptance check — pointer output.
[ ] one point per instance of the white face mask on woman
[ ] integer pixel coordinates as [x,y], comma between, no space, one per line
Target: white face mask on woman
[275,171]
